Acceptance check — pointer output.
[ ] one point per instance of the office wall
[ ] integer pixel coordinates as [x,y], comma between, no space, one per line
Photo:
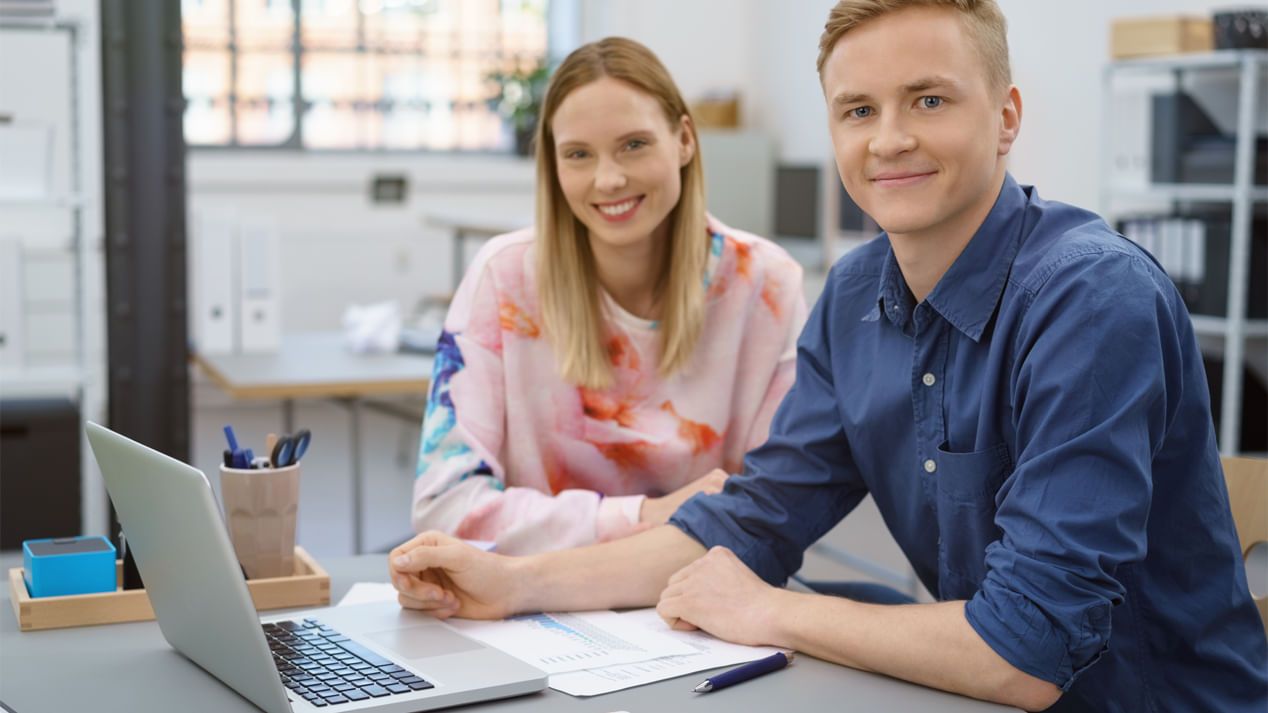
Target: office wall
[1058,52]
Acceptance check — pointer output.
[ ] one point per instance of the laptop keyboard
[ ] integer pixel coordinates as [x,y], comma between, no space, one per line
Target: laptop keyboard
[327,668]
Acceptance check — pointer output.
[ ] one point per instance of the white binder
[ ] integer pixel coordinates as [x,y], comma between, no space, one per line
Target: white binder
[214,272]
[259,280]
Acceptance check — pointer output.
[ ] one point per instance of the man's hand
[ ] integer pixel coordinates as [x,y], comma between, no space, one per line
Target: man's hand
[720,594]
[446,577]
[657,511]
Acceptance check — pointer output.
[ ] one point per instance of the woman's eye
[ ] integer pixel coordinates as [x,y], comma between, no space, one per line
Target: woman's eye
[575,154]
[635,144]
[931,102]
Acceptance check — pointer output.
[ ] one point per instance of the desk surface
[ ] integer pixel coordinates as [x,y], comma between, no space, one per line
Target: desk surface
[481,223]
[316,365]
[129,667]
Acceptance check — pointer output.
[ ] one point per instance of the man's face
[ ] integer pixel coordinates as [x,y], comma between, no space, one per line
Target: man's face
[917,129]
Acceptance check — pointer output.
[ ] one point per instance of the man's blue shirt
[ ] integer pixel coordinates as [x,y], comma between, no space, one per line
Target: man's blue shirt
[1037,435]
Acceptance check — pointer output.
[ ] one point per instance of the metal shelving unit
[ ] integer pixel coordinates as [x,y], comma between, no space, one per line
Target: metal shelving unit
[78,380]
[1241,194]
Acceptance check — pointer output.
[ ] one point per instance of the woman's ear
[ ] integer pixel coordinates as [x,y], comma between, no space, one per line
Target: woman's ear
[686,140]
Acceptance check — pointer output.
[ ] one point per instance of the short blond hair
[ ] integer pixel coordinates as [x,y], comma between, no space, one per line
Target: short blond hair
[567,279]
[983,20]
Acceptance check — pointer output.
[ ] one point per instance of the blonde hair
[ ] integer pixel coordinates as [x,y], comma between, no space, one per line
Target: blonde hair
[983,20]
[567,279]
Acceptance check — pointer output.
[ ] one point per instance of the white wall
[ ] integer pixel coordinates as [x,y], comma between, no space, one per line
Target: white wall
[1058,51]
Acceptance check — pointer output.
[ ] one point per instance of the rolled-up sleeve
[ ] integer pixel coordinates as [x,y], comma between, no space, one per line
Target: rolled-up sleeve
[797,485]
[1095,385]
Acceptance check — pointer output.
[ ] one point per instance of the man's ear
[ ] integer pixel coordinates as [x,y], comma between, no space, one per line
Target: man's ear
[1010,124]
[687,141]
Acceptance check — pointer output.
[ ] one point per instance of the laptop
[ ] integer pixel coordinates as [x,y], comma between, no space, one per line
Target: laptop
[370,657]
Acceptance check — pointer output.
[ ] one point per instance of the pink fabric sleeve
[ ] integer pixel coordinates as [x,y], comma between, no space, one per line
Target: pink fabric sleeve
[785,372]
[461,484]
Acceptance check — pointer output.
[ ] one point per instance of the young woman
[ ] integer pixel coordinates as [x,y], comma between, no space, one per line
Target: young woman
[596,370]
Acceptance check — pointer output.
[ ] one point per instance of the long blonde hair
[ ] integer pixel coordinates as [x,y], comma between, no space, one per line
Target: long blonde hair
[567,278]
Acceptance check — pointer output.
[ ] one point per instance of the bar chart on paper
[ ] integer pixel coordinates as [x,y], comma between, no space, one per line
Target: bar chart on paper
[557,643]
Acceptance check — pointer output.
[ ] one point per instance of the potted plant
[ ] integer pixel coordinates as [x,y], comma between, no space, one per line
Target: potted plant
[518,101]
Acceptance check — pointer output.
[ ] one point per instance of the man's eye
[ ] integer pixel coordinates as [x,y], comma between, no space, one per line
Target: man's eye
[860,112]
[931,102]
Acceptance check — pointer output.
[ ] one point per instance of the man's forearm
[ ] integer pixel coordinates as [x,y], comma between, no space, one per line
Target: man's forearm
[629,572]
[930,644]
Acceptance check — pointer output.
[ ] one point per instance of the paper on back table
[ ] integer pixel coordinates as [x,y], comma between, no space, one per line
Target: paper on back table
[709,653]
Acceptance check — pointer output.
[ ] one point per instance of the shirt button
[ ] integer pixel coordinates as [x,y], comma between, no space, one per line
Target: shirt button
[929,379]
[930,466]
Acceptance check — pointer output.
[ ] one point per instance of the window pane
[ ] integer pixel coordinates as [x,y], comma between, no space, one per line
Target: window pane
[401,27]
[334,89]
[266,97]
[205,23]
[264,24]
[205,80]
[328,24]
[400,82]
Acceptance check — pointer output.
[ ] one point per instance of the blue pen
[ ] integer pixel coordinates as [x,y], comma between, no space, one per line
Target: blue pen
[739,674]
[233,442]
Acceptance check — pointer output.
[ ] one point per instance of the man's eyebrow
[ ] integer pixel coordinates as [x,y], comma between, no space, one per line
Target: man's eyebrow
[920,85]
[845,98]
[930,82]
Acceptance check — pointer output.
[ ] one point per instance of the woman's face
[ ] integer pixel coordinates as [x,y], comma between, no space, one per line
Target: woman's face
[619,162]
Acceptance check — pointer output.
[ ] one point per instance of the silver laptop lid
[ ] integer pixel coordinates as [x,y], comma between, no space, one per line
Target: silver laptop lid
[190,570]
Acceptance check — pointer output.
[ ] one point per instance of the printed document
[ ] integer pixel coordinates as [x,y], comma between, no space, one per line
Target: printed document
[558,643]
[709,652]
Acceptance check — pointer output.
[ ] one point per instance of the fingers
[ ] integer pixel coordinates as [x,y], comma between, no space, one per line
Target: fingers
[439,609]
[430,538]
[453,556]
[419,589]
[669,611]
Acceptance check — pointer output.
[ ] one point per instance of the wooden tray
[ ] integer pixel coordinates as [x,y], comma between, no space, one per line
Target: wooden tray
[308,587]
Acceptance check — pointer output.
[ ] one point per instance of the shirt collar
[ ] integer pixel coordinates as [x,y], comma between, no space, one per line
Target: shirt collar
[969,292]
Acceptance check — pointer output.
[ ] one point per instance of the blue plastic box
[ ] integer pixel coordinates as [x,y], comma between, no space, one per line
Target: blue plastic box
[60,566]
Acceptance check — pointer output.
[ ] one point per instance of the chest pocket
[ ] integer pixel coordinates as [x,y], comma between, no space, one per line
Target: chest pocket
[966,487]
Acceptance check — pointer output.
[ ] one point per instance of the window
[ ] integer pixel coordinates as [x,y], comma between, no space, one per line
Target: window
[349,74]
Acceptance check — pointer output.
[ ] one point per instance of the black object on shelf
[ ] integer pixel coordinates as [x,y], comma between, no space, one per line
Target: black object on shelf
[39,470]
[1213,291]
[1241,29]
[1188,147]
[1206,293]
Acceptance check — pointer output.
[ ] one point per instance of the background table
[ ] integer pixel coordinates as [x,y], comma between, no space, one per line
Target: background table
[318,365]
[129,668]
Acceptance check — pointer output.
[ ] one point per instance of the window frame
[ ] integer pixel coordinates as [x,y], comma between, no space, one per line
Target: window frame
[294,142]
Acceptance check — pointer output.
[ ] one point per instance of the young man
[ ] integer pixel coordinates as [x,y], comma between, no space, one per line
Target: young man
[1018,387]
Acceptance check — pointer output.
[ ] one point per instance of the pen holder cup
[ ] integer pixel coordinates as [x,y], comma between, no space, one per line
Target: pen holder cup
[260,507]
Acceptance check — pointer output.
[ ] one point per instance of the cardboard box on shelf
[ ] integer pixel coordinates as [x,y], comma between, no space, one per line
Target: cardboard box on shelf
[1132,37]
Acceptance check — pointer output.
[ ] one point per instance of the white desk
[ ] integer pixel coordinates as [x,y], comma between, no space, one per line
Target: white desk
[318,366]
[129,668]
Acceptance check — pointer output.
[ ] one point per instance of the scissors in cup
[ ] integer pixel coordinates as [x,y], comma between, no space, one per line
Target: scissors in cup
[290,448]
